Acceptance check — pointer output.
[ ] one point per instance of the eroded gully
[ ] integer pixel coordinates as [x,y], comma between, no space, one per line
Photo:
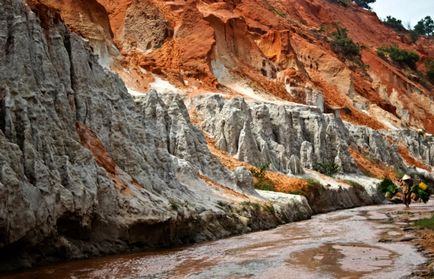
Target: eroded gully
[366,242]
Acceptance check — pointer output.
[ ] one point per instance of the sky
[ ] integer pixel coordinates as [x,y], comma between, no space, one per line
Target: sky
[406,10]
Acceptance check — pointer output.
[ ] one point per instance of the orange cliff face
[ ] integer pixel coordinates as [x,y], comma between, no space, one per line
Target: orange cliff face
[276,48]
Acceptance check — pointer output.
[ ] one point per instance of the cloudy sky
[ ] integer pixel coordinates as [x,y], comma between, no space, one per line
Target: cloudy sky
[406,10]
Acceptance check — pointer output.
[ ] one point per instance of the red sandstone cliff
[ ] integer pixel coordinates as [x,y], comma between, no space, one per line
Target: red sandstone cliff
[269,45]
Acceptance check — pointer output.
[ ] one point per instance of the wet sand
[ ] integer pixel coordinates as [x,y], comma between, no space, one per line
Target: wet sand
[364,242]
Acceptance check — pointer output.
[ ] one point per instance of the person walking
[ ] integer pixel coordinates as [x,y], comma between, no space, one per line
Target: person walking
[405,184]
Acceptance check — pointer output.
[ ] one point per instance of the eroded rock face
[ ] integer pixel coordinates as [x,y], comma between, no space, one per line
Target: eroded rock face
[244,180]
[280,48]
[167,114]
[286,136]
[375,145]
[325,199]
[420,144]
[83,169]
[292,136]
[144,27]
[67,158]
[86,170]
[295,167]
[89,19]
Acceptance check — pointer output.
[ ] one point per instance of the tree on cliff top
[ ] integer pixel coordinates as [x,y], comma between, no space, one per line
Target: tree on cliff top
[425,27]
[361,3]
[364,3]
[394,23]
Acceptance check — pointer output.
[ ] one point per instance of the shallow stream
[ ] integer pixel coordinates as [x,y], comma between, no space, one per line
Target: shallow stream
[356,243]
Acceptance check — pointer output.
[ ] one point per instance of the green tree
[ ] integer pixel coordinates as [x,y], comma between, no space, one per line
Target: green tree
[343,44]
[404,57]
[425,27]
[327,168]
[394,23]
[364,3]
[429,64]
[399,56]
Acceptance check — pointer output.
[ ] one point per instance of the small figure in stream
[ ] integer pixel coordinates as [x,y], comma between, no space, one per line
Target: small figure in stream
[406,190]
[406,184]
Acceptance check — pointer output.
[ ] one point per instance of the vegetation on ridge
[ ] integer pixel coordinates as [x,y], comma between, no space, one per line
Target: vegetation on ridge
[327,168]
[344,3]
[429,65]
[399,56]
[344,45]
[361,3]
[394,23]
[364,3]
[425,27]
[260,181]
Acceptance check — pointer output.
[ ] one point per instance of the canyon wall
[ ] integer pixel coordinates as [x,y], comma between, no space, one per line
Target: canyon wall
[87,169]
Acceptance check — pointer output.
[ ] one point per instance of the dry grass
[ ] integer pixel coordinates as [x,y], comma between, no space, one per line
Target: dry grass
[286,184]
[370,167]
[282,183]
[406,155]
[220,187]
[426,239]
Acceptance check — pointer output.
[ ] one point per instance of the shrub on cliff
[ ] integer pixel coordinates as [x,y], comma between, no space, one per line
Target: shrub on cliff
[260,181]
[429,64]
[382,53]
[343,44]
[404,57]
[328,168]
[394,23]
[399,56]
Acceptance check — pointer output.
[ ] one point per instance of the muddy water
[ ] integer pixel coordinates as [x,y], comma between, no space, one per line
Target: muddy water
[356,243]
